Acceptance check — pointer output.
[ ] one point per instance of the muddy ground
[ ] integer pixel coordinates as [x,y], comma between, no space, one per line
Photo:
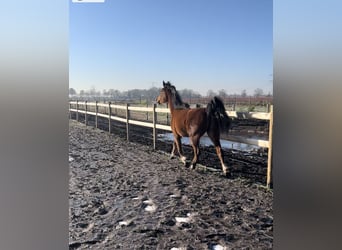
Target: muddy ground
[128,196]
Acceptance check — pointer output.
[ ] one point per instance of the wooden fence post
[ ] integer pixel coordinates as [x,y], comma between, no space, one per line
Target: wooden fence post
[127,121]
[154,126]
[96,111]
[77,110]
[109,118]
[269,160]
[69,110]
[85,114]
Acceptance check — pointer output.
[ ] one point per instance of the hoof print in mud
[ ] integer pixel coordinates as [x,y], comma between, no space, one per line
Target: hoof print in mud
[169,222]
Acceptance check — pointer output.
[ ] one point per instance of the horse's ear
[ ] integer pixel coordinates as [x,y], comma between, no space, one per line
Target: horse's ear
[163,84]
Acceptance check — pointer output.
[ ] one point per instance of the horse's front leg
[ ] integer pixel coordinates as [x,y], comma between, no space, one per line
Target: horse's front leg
[178,143]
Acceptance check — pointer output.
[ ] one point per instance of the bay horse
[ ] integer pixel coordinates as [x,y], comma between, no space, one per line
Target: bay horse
[193,123]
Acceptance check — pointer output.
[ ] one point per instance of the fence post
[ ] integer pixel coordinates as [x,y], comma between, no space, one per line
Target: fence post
[109,118]
[127,121]
[269,160]
[96,111]
[69,110]
[154,126]
[85,114]
[77,110]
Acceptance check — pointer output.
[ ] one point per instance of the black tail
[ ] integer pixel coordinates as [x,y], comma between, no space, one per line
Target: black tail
[216,111]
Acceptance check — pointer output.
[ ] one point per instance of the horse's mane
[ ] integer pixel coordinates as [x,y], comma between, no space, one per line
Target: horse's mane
[175,94]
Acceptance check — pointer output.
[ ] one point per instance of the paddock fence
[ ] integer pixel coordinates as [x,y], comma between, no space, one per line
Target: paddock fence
[122,113]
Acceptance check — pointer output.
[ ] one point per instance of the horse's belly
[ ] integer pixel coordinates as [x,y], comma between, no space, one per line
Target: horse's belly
[182,132]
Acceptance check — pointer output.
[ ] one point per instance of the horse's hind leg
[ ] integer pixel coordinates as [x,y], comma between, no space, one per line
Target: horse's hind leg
[215,138]
[173,150]
[195,147]
[220,155]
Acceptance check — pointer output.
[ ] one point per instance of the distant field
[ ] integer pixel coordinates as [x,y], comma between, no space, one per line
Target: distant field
[238,103]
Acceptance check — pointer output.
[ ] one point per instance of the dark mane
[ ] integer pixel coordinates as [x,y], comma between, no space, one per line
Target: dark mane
[174,92]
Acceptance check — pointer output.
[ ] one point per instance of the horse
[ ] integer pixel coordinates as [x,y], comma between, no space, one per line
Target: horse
[193,123]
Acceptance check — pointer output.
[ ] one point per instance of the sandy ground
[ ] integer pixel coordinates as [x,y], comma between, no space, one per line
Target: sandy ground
[128,196]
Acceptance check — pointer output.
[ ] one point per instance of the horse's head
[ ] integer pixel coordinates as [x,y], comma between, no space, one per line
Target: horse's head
[169,92]
[162,98]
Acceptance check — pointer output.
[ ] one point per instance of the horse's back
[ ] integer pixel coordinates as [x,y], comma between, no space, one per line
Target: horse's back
[197,116]
[187,122]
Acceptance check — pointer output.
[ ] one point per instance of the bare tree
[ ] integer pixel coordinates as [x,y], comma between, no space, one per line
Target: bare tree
[243,93]
[72,91]
[188,93]
[152,93]
[92,91]
[114,94]
[258,92]
[105,92]
[210,93]
[222,93]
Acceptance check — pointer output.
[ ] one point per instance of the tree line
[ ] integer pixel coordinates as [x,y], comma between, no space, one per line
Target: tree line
[151,93]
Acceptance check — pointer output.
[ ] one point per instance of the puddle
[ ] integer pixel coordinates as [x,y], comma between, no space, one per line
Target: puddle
[218,247]
[205,141]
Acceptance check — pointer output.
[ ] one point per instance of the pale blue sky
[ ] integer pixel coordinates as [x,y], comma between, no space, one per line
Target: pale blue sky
[195,44]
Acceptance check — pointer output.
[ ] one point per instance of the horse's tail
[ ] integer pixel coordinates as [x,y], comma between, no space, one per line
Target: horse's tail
[217,112]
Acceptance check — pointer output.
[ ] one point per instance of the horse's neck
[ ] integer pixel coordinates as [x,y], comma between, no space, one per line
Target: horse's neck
[171,102]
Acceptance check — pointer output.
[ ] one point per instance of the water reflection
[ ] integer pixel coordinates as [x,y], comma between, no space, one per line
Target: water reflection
[205,141]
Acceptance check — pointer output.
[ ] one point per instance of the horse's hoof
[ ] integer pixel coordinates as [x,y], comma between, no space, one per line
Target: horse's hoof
[225,170]
[192,166]
[227,173]
[183,159]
